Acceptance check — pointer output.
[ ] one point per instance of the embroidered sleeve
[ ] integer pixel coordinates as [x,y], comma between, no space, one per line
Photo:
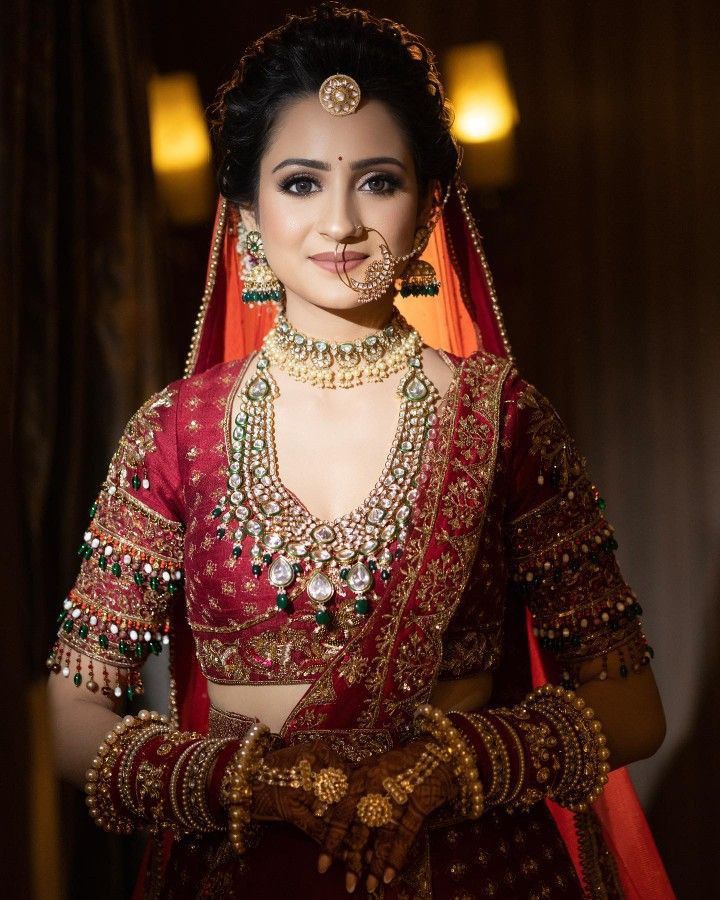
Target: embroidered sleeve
[561,547]
[131,559]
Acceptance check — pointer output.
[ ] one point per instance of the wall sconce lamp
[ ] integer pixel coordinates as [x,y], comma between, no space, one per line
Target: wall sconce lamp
[180,147]
[485,112]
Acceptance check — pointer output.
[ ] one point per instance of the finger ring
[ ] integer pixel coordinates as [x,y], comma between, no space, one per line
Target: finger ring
[374,810]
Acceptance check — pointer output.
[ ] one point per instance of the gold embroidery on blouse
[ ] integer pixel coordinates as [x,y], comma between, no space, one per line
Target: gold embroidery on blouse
[221,657]
[549,438]
[138,439]
[563,566]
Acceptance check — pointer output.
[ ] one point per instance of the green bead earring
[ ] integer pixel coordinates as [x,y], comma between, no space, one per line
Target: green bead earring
[261,285]
[419,278]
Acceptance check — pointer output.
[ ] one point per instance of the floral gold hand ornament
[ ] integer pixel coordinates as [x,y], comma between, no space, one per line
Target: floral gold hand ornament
[301,785]
[375,810]
[329,785]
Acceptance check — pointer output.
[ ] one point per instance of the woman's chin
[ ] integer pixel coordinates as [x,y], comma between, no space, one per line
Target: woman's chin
[335,297]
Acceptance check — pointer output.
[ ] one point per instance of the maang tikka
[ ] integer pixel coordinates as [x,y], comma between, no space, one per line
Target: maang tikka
[340,95]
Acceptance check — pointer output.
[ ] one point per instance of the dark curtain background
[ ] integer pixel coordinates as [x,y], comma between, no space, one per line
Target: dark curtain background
[604,252]
[85,341]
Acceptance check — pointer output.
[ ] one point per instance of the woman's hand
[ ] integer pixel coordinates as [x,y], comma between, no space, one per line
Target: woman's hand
[296,805]
[385,847]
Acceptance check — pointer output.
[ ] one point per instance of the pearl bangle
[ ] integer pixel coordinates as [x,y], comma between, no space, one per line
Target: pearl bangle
[434,722]
[237,783]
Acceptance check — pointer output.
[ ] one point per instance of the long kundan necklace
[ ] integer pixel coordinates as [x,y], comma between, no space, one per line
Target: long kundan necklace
[334,563]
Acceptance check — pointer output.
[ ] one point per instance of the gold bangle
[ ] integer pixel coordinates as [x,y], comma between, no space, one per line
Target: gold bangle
[513,800]
[499,789]
[194,791]
[593,765]
[433,721]
[184,824]
[134,745]
[237,784]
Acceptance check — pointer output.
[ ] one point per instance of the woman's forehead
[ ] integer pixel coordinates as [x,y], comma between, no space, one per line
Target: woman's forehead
[305,130]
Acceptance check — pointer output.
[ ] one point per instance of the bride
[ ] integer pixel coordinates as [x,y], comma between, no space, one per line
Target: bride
[339,530]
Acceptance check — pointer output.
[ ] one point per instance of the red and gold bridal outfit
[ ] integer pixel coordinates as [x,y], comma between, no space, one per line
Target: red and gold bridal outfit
[508,568]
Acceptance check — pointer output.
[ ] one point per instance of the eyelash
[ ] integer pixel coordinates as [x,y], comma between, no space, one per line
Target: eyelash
[392,181]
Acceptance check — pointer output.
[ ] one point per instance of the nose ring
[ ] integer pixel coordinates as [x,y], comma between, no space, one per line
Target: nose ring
[358,229]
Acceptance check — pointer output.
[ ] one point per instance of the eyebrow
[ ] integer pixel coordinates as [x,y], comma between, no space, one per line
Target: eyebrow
[325,167]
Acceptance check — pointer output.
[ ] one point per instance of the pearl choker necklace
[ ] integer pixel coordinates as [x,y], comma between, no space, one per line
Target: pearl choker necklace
[345,364]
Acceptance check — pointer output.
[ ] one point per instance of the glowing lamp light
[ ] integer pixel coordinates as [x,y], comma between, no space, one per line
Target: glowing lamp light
[485,111]
[180,146]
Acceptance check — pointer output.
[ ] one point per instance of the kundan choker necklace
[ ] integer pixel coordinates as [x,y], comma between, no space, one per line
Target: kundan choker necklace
[344,364]
[320,569]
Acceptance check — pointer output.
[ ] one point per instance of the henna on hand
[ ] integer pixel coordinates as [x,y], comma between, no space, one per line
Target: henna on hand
[339,819]
[391,843]
[296,805]
[386,845]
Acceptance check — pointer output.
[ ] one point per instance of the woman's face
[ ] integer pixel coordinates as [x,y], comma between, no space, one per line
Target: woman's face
[320,177]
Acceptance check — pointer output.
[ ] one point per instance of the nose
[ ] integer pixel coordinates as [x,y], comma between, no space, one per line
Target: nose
[340,220]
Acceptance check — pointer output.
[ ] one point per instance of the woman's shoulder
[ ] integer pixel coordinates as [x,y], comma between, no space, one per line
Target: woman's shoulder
[484,372]
[216,379]
[165,413]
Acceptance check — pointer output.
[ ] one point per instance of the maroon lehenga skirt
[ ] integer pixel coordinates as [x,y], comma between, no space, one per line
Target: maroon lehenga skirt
[518,856]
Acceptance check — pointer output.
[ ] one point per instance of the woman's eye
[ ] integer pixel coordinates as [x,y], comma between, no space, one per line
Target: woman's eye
[381,184]
[299,185]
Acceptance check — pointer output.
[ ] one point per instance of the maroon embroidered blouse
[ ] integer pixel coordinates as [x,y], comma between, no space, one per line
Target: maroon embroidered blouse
[545,542]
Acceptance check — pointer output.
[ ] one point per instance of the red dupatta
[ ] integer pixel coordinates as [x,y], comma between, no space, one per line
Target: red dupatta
[464,317]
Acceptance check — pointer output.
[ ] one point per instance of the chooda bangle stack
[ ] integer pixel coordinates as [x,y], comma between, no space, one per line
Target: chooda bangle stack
[146,775]
[549,745]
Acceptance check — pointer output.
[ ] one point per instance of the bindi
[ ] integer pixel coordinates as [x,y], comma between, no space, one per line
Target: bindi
[340,158]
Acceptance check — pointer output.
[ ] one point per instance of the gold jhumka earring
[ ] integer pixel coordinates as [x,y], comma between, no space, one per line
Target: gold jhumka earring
[340,95]
[419,278]
[260,283]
